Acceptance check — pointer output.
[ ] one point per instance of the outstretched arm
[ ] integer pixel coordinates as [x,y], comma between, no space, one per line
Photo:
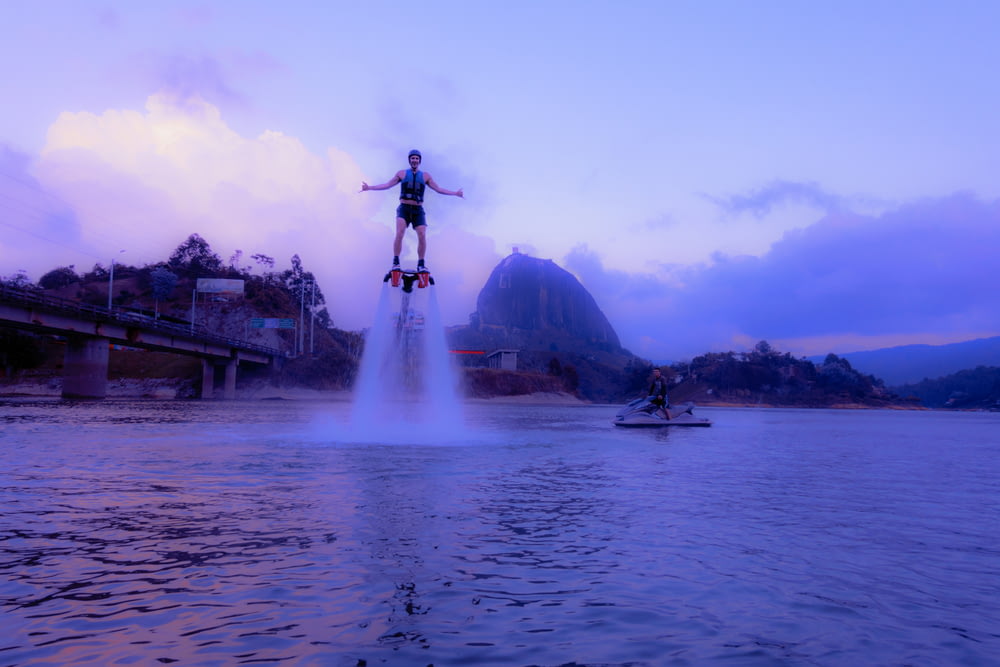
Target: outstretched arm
[384,186]
[432,184]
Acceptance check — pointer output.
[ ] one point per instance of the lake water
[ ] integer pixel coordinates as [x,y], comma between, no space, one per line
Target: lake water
[227,533]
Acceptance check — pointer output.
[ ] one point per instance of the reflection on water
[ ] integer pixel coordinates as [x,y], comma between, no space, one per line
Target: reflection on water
[218,533]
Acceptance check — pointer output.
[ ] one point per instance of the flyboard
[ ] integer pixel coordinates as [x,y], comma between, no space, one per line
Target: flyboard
[406,278]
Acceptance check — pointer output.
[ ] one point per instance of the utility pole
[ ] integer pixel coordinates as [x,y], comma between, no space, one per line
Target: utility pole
[312,321]
[111,278]
[302,317]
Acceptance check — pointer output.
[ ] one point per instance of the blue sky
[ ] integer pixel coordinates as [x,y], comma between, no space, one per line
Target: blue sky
[821,175]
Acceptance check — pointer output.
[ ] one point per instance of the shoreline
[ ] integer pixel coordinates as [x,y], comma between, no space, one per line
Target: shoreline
[183,389]
[148,389]
[170,389]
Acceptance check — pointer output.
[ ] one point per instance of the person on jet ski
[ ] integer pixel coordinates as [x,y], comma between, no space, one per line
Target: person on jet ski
[658,392]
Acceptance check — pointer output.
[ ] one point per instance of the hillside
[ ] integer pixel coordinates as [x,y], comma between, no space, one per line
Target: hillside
[908,364]
[328,358]
[973,389]
[768,377]
[563,340]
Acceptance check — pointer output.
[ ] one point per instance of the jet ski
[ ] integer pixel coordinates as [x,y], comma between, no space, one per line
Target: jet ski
[642,412]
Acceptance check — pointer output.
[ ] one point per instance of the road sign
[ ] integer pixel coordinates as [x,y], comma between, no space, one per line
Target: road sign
[220,286]
[271,323]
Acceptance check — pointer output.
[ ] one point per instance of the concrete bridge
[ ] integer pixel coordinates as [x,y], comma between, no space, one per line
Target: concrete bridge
[91,330]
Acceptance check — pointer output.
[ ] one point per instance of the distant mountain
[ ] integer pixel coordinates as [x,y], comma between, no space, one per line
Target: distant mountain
[975,389]
[909,364]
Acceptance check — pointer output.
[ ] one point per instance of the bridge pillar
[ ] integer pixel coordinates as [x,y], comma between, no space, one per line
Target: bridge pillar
[230,386]
[207,378]
[85,367]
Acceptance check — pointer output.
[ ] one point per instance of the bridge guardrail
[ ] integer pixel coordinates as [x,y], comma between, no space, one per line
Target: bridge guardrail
[99,313]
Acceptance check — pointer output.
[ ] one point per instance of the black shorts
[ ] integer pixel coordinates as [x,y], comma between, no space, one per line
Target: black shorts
[412,214]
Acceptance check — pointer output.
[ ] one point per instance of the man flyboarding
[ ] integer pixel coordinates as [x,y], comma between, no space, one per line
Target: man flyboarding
[411,205]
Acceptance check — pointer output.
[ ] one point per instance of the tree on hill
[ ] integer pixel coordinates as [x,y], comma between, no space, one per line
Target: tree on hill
[19,280]
[163,281]
[837,375]
[194,259]
[264,261]
[98,272]
[767,374]
[62,276]
[977,388]
[305,290]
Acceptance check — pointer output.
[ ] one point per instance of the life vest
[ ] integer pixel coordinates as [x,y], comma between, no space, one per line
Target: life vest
[412,186]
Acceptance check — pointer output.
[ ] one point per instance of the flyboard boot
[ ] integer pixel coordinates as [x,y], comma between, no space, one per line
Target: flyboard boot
[395,275]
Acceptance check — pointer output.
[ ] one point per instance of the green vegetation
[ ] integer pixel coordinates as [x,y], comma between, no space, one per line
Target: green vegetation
[763,376]
[975,389]
[164,290]
[60,277]
[768,377]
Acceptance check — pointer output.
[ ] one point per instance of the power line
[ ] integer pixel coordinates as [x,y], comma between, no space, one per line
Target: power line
[38,212]
[48,240]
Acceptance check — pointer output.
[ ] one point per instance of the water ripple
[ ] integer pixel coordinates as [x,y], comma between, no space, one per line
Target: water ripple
[799,537]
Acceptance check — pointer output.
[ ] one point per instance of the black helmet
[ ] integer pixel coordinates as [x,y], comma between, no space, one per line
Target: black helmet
[415,152]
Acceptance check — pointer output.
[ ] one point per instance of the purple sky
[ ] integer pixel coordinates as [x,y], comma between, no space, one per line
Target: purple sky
[822,176]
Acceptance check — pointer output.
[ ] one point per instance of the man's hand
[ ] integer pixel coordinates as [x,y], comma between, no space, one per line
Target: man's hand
[364,186]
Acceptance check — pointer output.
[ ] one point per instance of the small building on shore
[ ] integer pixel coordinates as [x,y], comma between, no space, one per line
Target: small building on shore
[503,359]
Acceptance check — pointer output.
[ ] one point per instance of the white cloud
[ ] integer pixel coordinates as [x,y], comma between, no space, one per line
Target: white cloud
[144,181]
[923,272]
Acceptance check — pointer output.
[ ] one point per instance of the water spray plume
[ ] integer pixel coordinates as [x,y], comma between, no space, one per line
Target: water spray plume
[406,379]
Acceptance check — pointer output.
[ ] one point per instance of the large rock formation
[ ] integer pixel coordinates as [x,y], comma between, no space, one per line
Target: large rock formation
[525,295]
[542,311]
